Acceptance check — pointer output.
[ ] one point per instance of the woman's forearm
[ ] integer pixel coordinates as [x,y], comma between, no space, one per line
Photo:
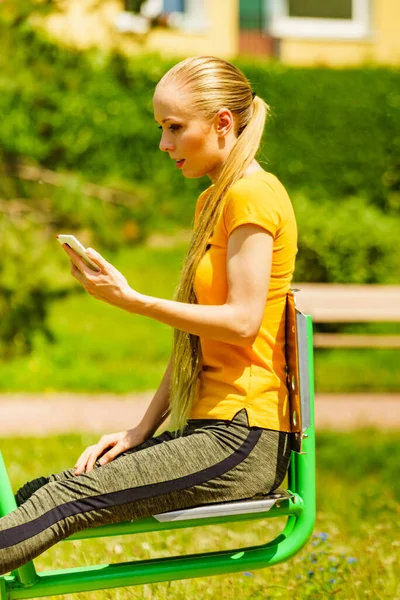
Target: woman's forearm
[237,321]
[222,322]
[158,408]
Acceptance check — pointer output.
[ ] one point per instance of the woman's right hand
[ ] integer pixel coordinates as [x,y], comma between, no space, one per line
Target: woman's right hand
[117,442]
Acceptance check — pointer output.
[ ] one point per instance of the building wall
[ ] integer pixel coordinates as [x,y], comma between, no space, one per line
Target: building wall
[383,46]
[387,23]
[330,53]
[86,23]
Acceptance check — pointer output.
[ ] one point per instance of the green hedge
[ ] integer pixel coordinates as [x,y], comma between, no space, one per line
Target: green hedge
[333,133]
[333,139]
[347,242]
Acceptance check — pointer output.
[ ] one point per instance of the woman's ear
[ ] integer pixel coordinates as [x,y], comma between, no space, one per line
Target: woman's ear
[224,122]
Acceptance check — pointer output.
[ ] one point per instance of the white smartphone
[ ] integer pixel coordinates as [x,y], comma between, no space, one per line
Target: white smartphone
[78,248]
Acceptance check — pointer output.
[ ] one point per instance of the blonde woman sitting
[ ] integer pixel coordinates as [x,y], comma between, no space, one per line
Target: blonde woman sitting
[224,389]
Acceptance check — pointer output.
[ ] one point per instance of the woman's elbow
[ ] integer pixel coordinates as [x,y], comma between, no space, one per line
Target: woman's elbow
[247,332]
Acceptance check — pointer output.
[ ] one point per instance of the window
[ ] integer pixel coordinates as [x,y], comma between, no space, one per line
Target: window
[187,15]
[174,6]
[339,9]
[252,15]
[329,19]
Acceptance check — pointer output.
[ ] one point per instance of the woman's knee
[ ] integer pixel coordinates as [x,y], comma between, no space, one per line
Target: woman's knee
[29,488]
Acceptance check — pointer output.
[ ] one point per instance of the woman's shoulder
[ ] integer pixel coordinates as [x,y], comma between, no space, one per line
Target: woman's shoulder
[257,188]
[257,180]
[254,186]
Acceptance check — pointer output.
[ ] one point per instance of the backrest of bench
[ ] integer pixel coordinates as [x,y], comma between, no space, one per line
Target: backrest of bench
[297,351]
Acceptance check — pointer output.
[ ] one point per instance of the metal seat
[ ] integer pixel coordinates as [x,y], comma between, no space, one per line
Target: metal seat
[224,509]
[297,503]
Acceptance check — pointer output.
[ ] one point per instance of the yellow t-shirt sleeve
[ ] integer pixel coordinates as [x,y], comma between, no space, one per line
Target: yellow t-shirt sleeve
[251,201]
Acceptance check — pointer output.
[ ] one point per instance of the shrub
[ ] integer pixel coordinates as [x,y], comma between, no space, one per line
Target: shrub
[333,140]
[30,279]
[345,242]
[333,133]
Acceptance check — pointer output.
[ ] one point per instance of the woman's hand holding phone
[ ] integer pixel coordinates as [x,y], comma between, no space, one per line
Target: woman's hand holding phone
[78,248]
[106,284]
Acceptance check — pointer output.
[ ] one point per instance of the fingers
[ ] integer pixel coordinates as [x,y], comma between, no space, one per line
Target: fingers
[92,459]
[80,271]
[88,458]
[111,454]
[76,260]
[81,463]
[96,258]
[75,272]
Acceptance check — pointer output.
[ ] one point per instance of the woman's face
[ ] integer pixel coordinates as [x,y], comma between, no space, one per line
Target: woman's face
[197,146]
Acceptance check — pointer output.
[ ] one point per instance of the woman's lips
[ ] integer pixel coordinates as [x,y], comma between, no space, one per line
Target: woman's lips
[179,163]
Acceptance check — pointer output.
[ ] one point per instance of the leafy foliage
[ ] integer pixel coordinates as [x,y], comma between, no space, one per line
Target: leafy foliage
[345,242]
[27,285]
[333,133]
[333,139]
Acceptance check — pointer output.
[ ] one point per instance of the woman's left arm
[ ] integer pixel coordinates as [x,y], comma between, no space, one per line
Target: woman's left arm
[249,260]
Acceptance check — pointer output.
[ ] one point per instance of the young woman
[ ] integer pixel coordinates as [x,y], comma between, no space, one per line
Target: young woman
[224,388]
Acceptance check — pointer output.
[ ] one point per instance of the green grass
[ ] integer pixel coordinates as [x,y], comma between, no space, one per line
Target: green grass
[352,555]
[102,349]
[357,370]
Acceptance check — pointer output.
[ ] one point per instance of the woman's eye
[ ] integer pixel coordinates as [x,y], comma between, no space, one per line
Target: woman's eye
[171,127]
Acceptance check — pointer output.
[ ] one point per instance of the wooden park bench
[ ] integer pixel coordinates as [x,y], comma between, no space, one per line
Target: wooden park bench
[348,303]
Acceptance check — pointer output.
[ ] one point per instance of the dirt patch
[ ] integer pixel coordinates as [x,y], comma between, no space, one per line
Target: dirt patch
[341,412]
[46,414]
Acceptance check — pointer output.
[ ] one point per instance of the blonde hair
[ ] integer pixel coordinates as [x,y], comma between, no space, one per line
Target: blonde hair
[211,84]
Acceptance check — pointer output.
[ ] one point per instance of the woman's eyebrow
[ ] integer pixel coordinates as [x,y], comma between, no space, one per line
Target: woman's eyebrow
[165,120]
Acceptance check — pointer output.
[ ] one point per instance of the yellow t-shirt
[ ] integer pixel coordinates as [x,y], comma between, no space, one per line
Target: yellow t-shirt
[252,377]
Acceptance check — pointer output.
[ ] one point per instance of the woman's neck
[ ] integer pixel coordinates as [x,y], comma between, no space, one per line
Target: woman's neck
[254,166]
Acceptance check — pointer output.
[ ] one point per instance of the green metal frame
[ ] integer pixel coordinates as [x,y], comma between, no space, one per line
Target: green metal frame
[25,582]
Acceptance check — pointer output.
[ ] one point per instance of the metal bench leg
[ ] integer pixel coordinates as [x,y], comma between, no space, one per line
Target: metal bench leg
[3,591]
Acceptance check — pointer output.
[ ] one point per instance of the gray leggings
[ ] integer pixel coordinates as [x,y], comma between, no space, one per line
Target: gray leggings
[211,461]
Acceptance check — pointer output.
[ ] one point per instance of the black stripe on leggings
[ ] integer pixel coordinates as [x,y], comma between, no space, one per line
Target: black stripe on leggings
[20,533]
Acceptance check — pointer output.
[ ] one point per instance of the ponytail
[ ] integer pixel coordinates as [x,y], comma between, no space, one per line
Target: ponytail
[212,83]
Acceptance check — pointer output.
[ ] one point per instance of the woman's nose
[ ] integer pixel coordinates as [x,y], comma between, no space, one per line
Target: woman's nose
[166,144]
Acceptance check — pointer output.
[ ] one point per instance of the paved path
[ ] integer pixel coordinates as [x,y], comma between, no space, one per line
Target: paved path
[42,415]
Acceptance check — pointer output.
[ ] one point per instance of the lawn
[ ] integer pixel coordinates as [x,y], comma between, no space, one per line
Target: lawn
[102,349]
[352,554]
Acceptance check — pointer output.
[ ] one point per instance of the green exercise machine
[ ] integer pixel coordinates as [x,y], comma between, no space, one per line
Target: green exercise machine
[297,502]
